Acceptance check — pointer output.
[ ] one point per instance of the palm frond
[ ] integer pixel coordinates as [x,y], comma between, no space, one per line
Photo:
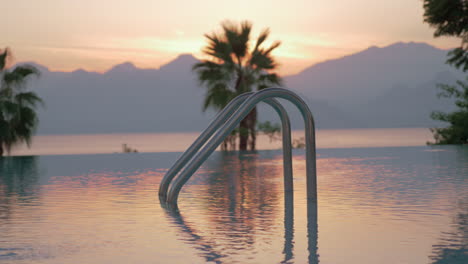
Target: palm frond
[238,38]
[261,58]
[273,46]
[263,36]
[8,109]
[23,126]
[18,76]
[266,80]
[6,91]
[244,34]
[29,99]
[218,48]
[18,118]
[4,129]
[233,67]
[271,78]
[4,55]
[217,96]
[210,72]
[261,61]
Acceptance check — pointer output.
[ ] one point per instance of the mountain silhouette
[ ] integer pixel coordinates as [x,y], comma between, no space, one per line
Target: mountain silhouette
[126,67]
[361,84]
[392,86]
[366,74]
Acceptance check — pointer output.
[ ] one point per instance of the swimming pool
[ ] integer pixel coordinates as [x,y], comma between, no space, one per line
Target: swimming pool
[375,205]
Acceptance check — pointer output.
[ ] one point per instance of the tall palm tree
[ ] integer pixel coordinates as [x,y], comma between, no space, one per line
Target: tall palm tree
[18,117]
[235,67]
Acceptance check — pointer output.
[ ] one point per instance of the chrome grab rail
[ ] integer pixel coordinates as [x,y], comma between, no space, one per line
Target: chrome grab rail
[198,143]
[219,120]
[229,125]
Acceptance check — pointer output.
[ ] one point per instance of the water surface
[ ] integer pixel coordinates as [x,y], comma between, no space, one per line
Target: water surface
[376,205]
[177,142]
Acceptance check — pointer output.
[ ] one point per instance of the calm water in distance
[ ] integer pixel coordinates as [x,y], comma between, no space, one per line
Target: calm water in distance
[375,205]
[177,142]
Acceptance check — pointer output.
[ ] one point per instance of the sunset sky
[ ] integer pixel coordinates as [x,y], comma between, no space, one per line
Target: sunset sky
[94,35]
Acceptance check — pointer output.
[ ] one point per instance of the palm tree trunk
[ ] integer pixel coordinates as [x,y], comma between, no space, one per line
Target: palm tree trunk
[232,141]
[252,121]
[247,136]
[243,133]
[224,145]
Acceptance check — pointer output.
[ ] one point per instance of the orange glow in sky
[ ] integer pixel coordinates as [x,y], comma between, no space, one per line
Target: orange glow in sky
[67,35]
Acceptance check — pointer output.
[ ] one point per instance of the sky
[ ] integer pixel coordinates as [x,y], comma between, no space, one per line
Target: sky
[94,35]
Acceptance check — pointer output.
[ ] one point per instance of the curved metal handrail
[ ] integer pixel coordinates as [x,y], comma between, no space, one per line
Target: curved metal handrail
[198,143]
[214,125]
[230,124]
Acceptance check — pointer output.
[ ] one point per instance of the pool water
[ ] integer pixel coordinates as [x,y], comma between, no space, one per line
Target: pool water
[375,205]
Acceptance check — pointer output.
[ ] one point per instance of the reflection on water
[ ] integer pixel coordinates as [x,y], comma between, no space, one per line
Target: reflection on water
[244,192]
[207,247]
[18,176]
[240,201]
[18,183]
[375,205]
[453,247]
[393,194]
[243,196]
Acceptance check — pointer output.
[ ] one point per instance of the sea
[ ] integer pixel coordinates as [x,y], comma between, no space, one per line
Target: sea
[179,142]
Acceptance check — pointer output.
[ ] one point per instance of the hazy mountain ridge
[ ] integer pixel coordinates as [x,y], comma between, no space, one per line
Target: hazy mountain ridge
[358,90]
[361,84]
[123,99]
[368,73]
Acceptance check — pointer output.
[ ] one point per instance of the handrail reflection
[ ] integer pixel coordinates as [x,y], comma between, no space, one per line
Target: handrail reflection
[312,232]
[288,227]
[207,248]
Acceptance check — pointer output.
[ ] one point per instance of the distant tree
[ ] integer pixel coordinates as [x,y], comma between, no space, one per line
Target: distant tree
[235,67]
[273,131]
[450,18]
[457,132]
[299,143]
[127,149]
[18,117]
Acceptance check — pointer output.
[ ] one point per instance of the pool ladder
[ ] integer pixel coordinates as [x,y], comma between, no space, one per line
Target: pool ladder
[225,122]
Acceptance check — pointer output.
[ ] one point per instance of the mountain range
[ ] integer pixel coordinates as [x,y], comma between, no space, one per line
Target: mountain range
[393,86]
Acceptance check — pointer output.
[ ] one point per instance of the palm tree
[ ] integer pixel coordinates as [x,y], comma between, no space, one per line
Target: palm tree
[18,117]
[236,67]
